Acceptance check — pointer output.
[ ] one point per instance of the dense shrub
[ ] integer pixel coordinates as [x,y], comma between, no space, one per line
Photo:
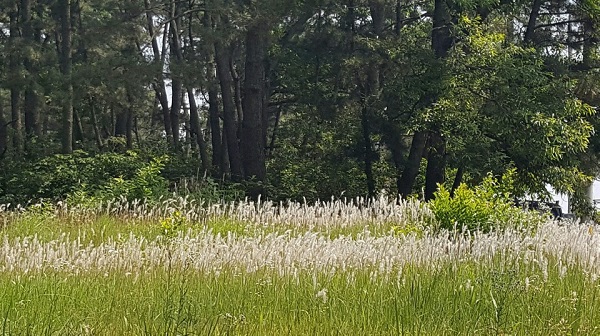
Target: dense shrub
[485,207]
[57,176]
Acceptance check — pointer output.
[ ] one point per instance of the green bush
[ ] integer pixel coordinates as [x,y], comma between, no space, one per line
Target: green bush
[146,184]
[55,177]
[485,207]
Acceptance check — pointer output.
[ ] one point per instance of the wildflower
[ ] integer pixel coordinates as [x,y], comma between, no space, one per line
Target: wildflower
[468,285]
[322,294]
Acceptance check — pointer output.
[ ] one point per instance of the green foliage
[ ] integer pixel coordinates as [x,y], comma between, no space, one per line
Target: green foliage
[485,207]
[59,175]
[173,224]
[85,179]
[408,229]
[147,184]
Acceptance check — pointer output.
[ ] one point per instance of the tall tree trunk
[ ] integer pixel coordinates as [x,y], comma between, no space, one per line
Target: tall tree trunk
[215,124]
[3,132]
[97,134]
[436,165]
[237,91]
[366,132]
[441,43]
[252,140]
[460,173]
[399,23]
[225,159]
[406,181]
[64,7]
[176,80]
[229,112]
[129,122]
[15,86]
[197,131]
[213,104]
[30,107]
[371,100]
[78,133]
[532,22]
[159,85]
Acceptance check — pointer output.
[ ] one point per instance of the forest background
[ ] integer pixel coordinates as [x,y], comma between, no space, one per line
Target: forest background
[296,99]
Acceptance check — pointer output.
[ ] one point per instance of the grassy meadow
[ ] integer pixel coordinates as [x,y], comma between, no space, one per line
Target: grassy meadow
[247,268]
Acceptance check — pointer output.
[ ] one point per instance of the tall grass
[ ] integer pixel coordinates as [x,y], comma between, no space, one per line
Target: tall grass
[259,268]
[469,299]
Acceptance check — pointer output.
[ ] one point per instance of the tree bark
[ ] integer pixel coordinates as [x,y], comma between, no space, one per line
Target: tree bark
[213,104]
[441,43]
[78,133]
[159,85]
[252,140]
[3,132]
[176,80]
[64,7]
[532,22]
[406,181]
[197,131]
[229,113]
[97,134]
[457,180]
[31,103]
[436,165]
[15,86]
[366,132]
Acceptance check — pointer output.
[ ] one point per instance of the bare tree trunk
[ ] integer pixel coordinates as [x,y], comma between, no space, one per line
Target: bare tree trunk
[273,142]
[441,42]
[31,103]
[225,159]
[237,91]
[533,17]
[97,133]
[460,173]
[366,132]
[436,165]
[3,132]
[252,140]
[65,69]
[229,112]
[197,131]
[15,90]
[213,105]
[176,80]
[159,85]
[399,18]
[371,100]
[411,170]
[215,125]
[78,133]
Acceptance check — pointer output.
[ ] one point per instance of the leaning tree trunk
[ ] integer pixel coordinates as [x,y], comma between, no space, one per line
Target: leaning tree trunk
[406,181]
[197,131]
[532,22]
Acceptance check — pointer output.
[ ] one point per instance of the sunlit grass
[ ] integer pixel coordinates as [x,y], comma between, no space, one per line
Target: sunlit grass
[256,269]
[468,299]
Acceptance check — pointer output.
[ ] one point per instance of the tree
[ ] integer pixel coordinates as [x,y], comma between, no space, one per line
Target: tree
[65,59]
